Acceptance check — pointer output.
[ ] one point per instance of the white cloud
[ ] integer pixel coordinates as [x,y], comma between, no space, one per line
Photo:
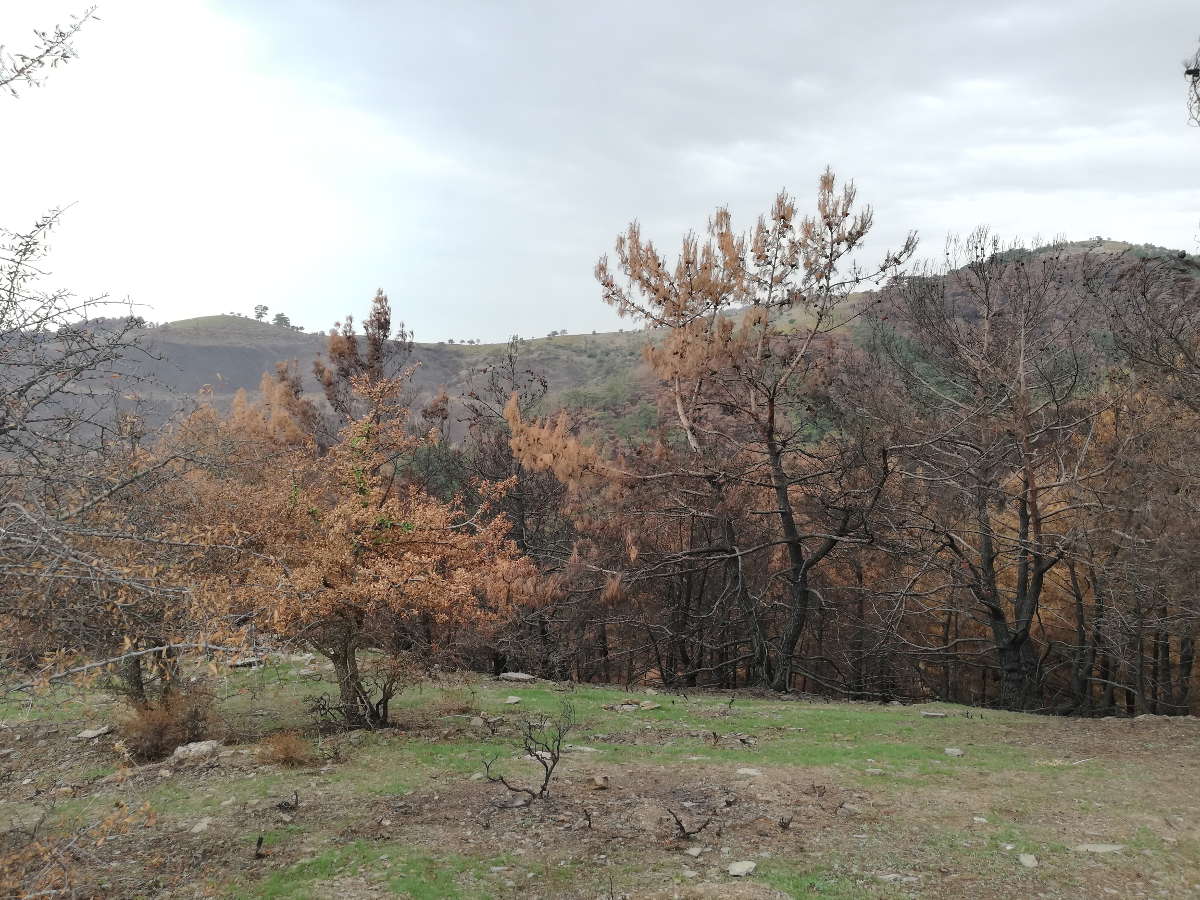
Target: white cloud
[200,180]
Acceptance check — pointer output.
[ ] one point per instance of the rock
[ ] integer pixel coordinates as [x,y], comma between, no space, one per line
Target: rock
[92,733]
[847,809]
[1099,848]
[749,771]
[694,852]
[954,751]
[250,662]
[196,750]
[979,820]
[649,704]
[517,676]
[599,783]
[932,714]
[477,776]
[742,868]
[201,826]
[579,748]
[511,700]
[477,722]
[1028,860]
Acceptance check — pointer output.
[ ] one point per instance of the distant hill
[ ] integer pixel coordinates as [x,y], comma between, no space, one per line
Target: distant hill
[602,374]
[227,353]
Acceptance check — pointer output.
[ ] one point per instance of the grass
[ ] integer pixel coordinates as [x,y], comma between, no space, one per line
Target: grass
[55,705]
[1033,781]
[820,882]
[850,737]
[404,871]
[181,799]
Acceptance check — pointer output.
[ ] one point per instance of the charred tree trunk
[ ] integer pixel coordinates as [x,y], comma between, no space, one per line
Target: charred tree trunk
[1187,658]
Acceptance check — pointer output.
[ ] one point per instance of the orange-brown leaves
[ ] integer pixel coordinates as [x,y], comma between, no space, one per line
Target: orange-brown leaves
[550,446]
[346,539]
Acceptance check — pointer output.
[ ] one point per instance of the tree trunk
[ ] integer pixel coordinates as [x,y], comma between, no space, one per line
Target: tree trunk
[134,680]
[1187,658]
[345,672]
[1018,672]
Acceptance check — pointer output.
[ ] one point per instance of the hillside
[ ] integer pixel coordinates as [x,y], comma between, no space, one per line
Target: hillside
[602,373]
[849,800]
[591,371]
[230,352]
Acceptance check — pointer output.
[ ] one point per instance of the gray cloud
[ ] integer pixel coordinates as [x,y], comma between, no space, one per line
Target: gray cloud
[509,142]
[576,118]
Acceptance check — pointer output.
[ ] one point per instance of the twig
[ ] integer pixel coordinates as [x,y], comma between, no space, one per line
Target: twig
[61,676]
[682,830]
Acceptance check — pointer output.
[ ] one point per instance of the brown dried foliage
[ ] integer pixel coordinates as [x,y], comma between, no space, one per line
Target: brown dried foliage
[153,729]
[285,748]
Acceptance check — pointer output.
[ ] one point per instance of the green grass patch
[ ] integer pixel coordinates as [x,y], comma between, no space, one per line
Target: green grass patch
[181,799]
[401,870]
[806,883]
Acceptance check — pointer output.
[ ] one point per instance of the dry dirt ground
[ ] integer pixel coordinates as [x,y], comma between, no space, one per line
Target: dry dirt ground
[826,800]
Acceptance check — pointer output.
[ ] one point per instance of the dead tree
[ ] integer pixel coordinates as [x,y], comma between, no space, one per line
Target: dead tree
[542,740]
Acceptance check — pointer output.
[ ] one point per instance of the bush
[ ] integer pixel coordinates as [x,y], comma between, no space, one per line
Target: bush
[155,728]
[459,700]
[285,748]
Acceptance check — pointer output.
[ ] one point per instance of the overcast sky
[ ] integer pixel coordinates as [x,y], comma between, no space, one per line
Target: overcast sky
[475,158]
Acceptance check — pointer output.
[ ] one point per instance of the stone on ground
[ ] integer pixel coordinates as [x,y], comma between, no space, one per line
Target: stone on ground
[92,733]
[196,750]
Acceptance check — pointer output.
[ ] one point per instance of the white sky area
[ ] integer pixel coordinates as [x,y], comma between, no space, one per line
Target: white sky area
[474,159]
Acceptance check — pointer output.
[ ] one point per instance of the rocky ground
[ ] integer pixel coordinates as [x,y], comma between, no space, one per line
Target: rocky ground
[658,795]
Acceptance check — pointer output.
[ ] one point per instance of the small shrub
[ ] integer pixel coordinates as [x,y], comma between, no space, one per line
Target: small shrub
[285,748]
[542,740]
[456,701]
[154,729]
